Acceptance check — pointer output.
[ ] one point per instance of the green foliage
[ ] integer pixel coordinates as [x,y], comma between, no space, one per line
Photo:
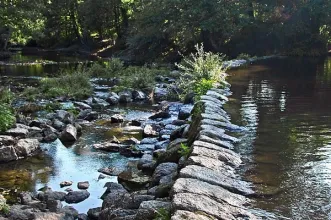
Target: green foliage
[30,93]
[184,150]
[75,84]
[202,87]
[110,69]
[7,116]
[4,209]
[245,56]
[138,77]
[162,214]
[52,106]
[200,70]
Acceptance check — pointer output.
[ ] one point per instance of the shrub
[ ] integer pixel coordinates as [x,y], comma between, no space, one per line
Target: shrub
[30,93]
[137,77]
[108,69]
[201,65]
[75,84]
[202,87]
[162,214]
[7,116]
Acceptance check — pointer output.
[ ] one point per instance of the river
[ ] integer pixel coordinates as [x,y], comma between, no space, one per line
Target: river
[284,103]
[286,106]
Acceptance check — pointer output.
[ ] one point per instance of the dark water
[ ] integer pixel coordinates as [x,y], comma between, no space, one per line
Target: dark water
[286,105]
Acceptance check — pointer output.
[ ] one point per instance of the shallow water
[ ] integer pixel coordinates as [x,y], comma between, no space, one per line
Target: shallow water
[286,106]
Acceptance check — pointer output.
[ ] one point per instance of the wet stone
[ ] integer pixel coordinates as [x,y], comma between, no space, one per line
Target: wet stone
[216,178]
[65,183]
[76,196]
[83,185]
[221,143]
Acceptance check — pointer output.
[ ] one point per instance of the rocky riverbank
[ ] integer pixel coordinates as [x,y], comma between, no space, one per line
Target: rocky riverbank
[184,157]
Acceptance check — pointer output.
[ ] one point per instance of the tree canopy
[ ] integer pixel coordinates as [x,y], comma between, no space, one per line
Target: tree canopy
[153,29]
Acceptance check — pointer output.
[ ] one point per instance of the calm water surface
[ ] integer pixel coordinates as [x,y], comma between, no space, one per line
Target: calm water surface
[286,106]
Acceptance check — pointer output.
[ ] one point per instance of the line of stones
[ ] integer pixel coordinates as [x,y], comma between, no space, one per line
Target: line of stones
[208,187]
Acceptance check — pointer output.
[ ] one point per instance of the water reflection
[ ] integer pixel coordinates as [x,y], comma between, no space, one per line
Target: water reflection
[285,104]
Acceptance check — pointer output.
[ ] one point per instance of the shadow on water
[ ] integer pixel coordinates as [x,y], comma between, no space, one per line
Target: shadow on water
[285,104]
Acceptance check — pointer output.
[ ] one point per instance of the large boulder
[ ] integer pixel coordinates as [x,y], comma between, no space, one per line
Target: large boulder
[133,180]
[76,196]
[113,99]
[7,153]
[69,134]
[138,95]
[125,96]
[17,132]
[27,147]
[162,170]
[64,116]
[6,140]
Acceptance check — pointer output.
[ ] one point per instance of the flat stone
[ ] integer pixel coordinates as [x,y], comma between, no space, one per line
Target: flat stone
[200,203]
[110,147]
[117,118]
[228,126]
[214,117]
[219,136]
[65,183]
[82,105]
[230,158]
[117,214]
[212,100]
[162,170]
[111,171]
[217,95]
[17,132]
[211,163]
[180,215]
[216,178]
[221,143]
[217,193]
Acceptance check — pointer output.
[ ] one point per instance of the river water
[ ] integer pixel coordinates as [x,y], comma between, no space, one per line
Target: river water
[286,106]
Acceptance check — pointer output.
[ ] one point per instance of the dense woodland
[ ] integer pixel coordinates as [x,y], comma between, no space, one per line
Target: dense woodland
[154,29]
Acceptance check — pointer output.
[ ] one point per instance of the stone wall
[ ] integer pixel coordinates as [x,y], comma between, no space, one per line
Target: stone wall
[208,186]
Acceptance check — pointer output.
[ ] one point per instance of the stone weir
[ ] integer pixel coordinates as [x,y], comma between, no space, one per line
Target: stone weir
[208,185]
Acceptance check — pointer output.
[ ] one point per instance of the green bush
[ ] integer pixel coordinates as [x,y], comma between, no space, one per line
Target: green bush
[108,69]
[201,65]
[7,117]
[74,84]
[162,214]
[202,87]
[138,77]
[245,56]
[30,93]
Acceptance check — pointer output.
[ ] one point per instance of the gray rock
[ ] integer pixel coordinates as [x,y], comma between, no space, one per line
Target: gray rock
[217,95]
[25,198]
[162,144]
[117,118]
[117,214]
[216,178]
[94,213]
[113,99]
[88,115]
[40,122]
[145,147]
[70,212]
[82,105]
[54,205]
[185,112]
[217,193]
[138,95]
[99,103]
[83,185]
[149,131]
[114,188]
[160,93]
[200,203]
[214,164]
[58,125]
[124,200]
[76,196]
[6,140]
[64,116]
[111,171]
[82,216]
[69,134]
[161,114]
[146,163]
[27,147]
[162,170]
[180,214]
[53,195]
[125,96]
[7,153]
[149,209]
[221,143]
[228,126]
[51,216]
[49,134]
[131,141]
[110,147]
[133,180]
[17,132]
[149,141]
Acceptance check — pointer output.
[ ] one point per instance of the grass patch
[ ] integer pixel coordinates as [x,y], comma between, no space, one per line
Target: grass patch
[184,150]
[162,214]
